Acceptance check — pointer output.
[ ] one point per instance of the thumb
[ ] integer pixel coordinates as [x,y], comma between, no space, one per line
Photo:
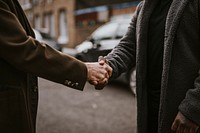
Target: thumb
[102,62]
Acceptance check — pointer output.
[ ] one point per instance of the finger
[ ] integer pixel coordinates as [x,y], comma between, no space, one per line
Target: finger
[197,129]
[108,69]
[193,130]
[180,129]
[174,126]
[104,74]
[101,58]
[93,82]
[102,62]
[99,75]
[186,130]
[101,84]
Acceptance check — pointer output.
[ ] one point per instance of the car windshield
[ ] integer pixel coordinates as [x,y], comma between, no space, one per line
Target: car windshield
[105,32]
[122,29]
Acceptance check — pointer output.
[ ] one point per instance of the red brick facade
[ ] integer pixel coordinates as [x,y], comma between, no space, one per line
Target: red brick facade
[79,26]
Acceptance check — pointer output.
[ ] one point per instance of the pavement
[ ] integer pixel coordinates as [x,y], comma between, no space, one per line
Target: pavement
[65,110]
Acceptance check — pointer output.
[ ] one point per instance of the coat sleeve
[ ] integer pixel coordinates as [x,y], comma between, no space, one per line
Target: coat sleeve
[31,56]
[123,56]
[190,106]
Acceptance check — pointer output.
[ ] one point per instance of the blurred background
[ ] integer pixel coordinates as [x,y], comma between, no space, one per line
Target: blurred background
[84,29]
[72,21]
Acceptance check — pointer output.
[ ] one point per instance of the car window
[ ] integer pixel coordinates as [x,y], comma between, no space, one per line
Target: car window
[105,32]
[122,29]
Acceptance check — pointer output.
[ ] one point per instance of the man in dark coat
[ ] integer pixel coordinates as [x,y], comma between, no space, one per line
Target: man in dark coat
[163,43]
[22,58]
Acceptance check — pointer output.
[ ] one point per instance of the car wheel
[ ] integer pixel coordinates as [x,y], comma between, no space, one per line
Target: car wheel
[132,81]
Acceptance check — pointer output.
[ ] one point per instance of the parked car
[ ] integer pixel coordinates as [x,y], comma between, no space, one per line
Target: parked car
[43,36]
[102,41]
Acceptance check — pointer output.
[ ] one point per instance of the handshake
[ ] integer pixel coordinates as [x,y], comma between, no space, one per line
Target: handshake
[99,73]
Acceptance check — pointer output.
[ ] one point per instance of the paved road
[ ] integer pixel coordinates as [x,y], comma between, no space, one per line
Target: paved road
[64,110]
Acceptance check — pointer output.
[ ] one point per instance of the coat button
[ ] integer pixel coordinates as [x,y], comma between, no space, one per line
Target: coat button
[76,84]
[66,82]
[69,83]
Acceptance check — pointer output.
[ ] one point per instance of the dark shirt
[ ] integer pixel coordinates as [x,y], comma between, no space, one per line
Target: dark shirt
[155,60]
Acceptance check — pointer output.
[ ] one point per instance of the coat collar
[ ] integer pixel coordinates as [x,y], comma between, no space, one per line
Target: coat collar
[173,18]
[174,14]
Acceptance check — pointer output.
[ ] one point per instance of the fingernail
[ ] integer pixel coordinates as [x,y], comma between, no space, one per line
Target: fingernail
[101,58]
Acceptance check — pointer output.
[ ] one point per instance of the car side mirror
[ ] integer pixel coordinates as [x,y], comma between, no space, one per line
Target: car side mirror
[91,40]
[96,45]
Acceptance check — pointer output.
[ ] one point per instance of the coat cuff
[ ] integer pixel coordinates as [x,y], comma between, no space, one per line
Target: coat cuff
[190,109]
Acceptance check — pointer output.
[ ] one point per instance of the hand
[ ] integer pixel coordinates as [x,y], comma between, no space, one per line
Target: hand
[103,61]
[98,74]
[183,125]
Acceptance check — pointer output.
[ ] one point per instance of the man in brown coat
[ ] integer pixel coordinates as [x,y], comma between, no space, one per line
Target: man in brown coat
[22,58]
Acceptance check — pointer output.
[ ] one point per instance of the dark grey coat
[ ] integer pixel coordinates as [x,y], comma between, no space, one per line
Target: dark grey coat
[180,90]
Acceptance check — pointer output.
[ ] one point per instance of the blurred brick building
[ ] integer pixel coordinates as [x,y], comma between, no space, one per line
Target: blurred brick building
[72,21]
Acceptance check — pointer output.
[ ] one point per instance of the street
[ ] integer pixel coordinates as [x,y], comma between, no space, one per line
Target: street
[65,110]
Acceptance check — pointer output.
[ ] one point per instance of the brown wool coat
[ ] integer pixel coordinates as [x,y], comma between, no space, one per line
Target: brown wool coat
[22,57]
[180,90]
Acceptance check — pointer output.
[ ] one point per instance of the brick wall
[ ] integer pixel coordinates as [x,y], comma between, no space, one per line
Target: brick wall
[54,8]
[76,33]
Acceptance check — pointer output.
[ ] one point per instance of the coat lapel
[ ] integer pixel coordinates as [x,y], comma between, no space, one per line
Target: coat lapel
[142,33]
[175,12]
[141,60]
[173,19]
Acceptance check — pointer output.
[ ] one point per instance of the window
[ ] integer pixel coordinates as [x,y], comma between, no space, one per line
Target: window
[35,1]
[63,38]
[52,25]
[49,1]
[49,24]
[37,22]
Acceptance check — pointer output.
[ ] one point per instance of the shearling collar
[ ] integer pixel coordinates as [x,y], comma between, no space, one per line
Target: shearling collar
[174,15]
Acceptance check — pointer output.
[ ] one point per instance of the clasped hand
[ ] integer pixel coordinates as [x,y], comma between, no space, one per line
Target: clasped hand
[99,73]
[183,125]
